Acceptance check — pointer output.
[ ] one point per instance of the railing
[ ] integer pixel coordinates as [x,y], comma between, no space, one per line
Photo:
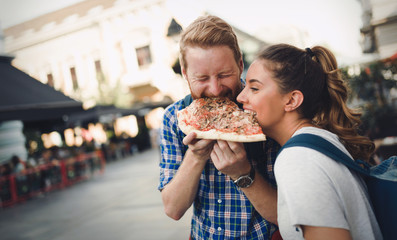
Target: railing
[31,182]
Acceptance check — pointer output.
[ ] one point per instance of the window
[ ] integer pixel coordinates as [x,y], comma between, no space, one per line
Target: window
[98,70]
[122,60]
[74,78]
[98,67]
[144,56]
[50,80]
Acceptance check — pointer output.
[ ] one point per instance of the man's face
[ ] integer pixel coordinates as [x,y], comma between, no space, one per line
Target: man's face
[212,72]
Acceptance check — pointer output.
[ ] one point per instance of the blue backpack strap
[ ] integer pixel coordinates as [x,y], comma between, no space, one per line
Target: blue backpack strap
[320,144]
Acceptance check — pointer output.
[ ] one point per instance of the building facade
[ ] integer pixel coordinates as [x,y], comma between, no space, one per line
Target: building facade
[379,29]
[107,51]
[96,51]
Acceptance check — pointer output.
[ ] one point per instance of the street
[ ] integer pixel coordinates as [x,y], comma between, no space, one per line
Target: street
[123,203]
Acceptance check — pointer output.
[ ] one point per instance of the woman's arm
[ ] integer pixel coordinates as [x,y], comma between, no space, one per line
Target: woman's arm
[325,233]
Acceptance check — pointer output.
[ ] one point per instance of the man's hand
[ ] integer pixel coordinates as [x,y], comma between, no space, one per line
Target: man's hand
[230,158]
[201,148]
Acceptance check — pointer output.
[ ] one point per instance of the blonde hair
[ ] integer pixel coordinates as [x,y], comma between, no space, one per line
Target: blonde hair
[315,73]
[208,31]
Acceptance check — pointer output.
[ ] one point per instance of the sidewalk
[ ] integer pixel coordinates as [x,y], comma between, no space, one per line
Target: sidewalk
[123,203]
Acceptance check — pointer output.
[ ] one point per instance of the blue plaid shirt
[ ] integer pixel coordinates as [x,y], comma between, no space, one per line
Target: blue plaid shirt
[221,210]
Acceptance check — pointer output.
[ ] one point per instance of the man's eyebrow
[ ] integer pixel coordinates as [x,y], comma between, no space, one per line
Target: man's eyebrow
[227,71]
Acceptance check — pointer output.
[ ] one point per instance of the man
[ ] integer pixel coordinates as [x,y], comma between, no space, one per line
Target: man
[203,172]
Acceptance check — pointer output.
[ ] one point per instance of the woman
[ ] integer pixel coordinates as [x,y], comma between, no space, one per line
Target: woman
[296,91]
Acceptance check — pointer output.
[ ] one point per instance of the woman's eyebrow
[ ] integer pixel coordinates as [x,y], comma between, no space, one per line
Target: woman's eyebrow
[254,81]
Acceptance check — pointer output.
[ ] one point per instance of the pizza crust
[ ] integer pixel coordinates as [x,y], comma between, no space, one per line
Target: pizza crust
[217,135]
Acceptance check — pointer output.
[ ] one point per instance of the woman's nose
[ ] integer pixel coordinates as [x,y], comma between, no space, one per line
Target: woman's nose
[241,97]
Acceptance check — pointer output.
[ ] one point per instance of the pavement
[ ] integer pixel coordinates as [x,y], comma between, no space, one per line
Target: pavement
[122,203]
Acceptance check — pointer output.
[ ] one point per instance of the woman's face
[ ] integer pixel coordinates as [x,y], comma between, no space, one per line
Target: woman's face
[262,96]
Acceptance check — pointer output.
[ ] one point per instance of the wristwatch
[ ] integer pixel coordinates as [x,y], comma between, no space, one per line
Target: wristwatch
[245,181]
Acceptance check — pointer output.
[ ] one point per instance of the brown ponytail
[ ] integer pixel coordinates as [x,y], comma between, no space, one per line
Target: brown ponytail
[315,73]
[338,117]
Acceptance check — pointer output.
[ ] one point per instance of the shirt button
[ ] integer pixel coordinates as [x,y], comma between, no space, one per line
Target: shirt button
[219,200]
[219,173]
[219,229]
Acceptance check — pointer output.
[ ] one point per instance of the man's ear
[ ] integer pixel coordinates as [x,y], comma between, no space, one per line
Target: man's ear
[295,100]
[183,70]
[241,65]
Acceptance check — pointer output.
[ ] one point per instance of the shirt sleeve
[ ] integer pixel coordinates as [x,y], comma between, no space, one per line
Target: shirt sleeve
[172,148]
[271,150]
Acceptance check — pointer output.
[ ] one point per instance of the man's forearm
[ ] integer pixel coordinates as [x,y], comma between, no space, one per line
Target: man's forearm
[263,197]
[179,194]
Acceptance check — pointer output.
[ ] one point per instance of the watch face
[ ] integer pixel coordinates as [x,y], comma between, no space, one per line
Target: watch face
[244,182]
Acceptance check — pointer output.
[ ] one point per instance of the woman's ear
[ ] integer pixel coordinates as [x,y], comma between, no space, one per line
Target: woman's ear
[295,100]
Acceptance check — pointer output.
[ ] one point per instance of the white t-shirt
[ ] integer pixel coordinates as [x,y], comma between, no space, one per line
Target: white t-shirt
[315,190]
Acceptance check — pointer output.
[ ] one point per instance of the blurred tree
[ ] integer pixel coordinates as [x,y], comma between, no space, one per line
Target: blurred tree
[371,91]
[112,94]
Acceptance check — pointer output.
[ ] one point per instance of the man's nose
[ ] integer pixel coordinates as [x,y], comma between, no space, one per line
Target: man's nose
[215,87]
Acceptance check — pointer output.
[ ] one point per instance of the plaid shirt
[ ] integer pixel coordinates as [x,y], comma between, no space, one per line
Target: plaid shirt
[221,210]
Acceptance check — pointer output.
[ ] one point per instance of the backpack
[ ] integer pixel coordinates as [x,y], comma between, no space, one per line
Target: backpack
[381,180]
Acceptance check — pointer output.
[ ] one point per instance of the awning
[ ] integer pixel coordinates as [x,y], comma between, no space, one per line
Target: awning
[394,57]
[101,113]
[25,98]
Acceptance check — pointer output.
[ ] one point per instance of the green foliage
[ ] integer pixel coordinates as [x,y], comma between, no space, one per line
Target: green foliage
[371,89]
[112,94]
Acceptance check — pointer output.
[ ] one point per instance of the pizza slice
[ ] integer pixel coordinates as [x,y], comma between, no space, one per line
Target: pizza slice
[219,118]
